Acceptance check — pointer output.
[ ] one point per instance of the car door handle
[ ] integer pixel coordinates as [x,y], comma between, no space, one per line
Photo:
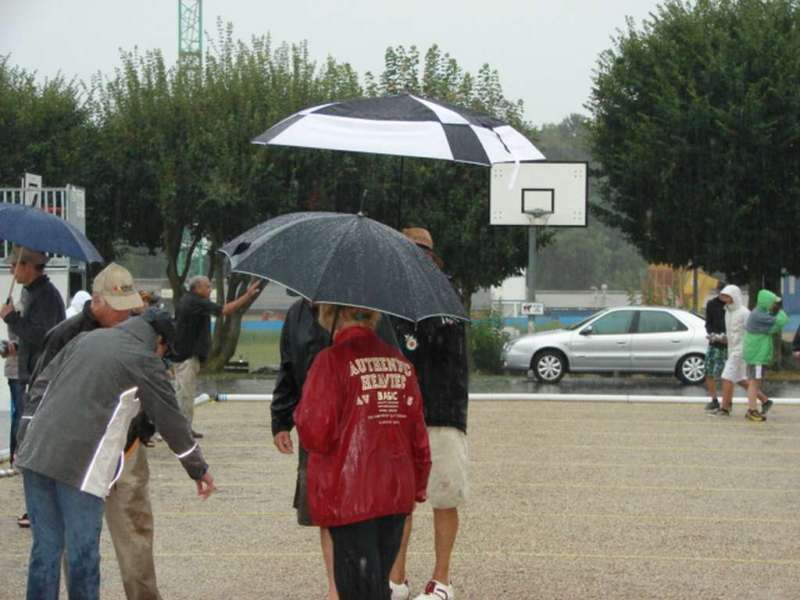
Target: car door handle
[621,343]
[676,341]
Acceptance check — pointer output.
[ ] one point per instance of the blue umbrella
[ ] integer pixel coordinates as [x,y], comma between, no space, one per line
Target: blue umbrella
[38,230]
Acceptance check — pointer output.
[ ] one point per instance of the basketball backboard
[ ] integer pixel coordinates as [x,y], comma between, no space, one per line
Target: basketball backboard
[555,194]
[32,185]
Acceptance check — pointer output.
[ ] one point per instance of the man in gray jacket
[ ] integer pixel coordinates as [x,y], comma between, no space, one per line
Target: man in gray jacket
[128,512]
[72,438]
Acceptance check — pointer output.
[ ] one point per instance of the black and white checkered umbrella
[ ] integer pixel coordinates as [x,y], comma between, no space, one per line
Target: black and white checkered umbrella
[404,125]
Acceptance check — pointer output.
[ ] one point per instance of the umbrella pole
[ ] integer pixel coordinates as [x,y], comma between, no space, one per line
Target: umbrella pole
[14,278]
[400,194]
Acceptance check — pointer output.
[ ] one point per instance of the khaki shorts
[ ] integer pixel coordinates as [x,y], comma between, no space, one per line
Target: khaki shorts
[447,485]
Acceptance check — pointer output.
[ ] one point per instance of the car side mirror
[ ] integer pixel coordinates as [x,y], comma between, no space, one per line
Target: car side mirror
[586,330]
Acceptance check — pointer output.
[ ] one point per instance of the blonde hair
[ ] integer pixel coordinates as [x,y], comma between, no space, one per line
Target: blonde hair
[348,315]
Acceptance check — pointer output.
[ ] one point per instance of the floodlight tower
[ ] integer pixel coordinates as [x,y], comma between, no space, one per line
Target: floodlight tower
[190,34]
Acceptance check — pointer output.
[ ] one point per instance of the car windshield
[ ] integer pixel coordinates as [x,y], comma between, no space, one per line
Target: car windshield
[583,322]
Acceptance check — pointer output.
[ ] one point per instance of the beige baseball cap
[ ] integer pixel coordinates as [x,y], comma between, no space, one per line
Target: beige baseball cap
[115,285]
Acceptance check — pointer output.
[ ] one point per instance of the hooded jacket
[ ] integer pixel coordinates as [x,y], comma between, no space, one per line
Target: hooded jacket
[302,338]
[736,314]
[761,326]
[70,430]
[360,418]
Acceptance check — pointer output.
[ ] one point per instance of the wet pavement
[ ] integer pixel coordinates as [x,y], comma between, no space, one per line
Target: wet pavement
[567,501]
[644,385]
[634,385]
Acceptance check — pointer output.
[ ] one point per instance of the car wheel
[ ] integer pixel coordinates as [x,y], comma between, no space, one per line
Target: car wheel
[691,369]
[549,366]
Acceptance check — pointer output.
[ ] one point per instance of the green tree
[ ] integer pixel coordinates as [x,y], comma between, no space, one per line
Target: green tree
[42,126]
[696,126]
[584,257]
[177,154]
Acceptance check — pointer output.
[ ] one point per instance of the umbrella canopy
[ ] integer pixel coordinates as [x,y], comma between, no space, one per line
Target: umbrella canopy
[346,259]
[404,125]
[38,230]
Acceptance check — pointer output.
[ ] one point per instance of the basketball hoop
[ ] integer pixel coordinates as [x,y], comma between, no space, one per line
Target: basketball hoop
[540,193]
[539,218]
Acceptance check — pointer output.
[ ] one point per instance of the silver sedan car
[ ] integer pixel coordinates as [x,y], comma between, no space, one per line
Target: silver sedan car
[635,339]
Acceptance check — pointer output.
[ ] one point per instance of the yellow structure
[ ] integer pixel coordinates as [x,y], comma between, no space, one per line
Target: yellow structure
[668,286]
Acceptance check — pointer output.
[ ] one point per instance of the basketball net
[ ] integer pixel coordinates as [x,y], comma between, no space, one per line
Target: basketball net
[539,218]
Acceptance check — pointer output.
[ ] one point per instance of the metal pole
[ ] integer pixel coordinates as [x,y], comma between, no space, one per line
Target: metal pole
[530,276]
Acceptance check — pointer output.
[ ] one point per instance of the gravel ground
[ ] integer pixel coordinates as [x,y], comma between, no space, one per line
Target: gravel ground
[568,500]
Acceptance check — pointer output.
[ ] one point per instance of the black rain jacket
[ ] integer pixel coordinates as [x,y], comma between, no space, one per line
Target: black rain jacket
[44,308]
[302,338]
[437,347]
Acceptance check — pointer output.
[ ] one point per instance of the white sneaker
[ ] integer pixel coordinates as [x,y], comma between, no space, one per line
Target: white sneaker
[400,591]
[436,590]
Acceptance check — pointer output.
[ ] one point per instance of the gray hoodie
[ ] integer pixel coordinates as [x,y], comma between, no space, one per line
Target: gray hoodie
[75,423]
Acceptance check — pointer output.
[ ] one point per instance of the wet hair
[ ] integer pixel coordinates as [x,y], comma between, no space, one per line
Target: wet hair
[350,314]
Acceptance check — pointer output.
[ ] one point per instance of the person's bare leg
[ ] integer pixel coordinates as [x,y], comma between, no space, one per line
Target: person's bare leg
[398,573]
[327,555]
[752,394]
[711,386]
[762,397]
[445,528]
[727,394]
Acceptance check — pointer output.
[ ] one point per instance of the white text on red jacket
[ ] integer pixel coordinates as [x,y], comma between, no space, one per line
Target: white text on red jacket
[384,375]
[380,372]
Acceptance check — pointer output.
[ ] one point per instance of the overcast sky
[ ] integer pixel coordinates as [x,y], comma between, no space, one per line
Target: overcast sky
[544,50]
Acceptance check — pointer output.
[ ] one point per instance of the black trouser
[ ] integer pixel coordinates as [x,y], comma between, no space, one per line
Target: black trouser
[363,555]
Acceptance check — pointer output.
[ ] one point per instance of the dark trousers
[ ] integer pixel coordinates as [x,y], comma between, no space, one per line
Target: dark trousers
[15,387]
[363,555]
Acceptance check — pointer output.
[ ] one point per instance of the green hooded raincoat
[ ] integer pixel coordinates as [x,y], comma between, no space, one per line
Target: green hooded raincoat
[761,326]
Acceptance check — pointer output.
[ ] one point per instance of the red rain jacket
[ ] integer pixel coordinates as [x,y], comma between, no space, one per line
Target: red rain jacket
[361,420]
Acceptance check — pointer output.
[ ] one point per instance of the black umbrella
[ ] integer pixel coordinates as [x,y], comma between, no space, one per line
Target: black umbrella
[404,125]
[38,230]
[346,259]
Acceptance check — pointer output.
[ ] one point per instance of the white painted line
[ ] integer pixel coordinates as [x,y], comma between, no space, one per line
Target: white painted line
[202,399]
[632,398]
